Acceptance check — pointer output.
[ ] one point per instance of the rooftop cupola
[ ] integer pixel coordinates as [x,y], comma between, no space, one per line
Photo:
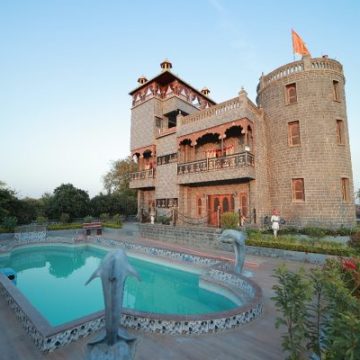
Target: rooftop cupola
[142,80]
[205,91]
[166,65]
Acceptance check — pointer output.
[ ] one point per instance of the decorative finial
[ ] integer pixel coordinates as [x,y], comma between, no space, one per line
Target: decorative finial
[166,65]
[205,91]
[142,79]
[242,92]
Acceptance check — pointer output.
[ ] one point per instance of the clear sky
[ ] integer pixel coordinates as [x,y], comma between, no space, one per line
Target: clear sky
[66,67]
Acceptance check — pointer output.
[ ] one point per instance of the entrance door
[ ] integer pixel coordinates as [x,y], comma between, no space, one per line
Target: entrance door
[244,204]
[224,203]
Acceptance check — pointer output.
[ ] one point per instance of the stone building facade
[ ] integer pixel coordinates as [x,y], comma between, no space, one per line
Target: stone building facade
[290,151]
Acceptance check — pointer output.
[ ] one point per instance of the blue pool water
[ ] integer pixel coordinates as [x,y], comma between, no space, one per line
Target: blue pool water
[53,279]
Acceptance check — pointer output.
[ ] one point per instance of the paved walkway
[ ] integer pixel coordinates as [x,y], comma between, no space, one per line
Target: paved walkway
[258,340]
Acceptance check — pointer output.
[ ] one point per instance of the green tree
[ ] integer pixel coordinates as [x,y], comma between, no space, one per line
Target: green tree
[70,200]
[118,177]
[9,203]
[9,223]
[100,204]
[28,209]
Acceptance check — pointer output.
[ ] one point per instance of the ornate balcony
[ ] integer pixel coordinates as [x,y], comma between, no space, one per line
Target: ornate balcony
[235,166]
[142,179]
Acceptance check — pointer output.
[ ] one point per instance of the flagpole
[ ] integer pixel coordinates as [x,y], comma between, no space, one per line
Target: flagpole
[292,41]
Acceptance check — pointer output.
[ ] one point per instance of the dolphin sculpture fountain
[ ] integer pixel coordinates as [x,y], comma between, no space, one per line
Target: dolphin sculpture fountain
[237,238]
[113,342]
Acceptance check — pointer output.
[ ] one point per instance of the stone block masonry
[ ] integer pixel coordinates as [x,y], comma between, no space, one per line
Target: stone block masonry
[310,181]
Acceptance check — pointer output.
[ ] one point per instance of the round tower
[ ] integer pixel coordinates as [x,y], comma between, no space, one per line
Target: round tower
[308,144]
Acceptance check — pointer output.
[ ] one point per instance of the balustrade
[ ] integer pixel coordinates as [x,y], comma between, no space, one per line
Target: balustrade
[299,66]
[230,161]
[141,175]
[212,111]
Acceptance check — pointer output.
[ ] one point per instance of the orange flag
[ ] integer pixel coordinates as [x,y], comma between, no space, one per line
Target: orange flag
[299,46]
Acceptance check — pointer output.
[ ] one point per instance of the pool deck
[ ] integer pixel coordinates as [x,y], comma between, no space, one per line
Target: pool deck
[258,340]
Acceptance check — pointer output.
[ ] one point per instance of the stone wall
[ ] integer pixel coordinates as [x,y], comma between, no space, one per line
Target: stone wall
[143,124]
[319,159]
[208,238]
[174,103]
[200,238]
[166,145]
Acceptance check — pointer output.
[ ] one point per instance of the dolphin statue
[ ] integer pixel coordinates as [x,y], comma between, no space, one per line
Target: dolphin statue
[113,271]
[237,238]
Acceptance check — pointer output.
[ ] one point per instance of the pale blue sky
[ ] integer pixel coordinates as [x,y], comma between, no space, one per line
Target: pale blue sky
[66,67]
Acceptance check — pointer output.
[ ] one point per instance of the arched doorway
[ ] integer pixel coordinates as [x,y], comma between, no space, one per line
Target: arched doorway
[221,202]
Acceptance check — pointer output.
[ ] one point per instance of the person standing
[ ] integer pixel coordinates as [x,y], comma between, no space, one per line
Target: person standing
[275,221]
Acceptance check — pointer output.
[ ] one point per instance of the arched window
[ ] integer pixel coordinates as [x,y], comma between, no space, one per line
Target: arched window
[291,94]
[225,204]
[216,204]
[244,207]
[199,207]
[249,136]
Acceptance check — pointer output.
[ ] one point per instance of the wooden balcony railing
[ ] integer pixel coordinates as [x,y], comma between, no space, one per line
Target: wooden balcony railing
[230,161]
[141,175]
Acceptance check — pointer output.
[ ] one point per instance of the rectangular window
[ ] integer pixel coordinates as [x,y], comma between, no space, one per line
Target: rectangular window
[340,132]
[336,91]
[345,189]
[298,193]
[291,94]
[294,133]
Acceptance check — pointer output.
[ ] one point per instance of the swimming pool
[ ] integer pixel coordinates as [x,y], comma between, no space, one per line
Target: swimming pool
[53,279]
[210,273]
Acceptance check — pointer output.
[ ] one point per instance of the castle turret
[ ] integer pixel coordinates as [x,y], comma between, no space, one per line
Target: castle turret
[308,144]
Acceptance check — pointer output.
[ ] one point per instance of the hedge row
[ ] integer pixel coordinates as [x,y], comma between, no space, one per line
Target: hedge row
[307,248]
[315,231]
[64,226]
[72,226]
[112,225]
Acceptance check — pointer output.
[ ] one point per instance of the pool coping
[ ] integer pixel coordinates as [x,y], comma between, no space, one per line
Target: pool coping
[48,337]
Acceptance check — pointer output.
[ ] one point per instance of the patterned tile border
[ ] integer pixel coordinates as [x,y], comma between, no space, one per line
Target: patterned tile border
[217,274]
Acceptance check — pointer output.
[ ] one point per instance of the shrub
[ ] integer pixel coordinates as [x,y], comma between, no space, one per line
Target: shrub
[162,219]
[314,231]
[104,217]
[9,223]
[64,218]
[3,230]
[41,220]
[291,297]
[64,226]
[88,219]
[355,241]
[327,322]
[229,220]
[112,225]
[116,219]
[304,246]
